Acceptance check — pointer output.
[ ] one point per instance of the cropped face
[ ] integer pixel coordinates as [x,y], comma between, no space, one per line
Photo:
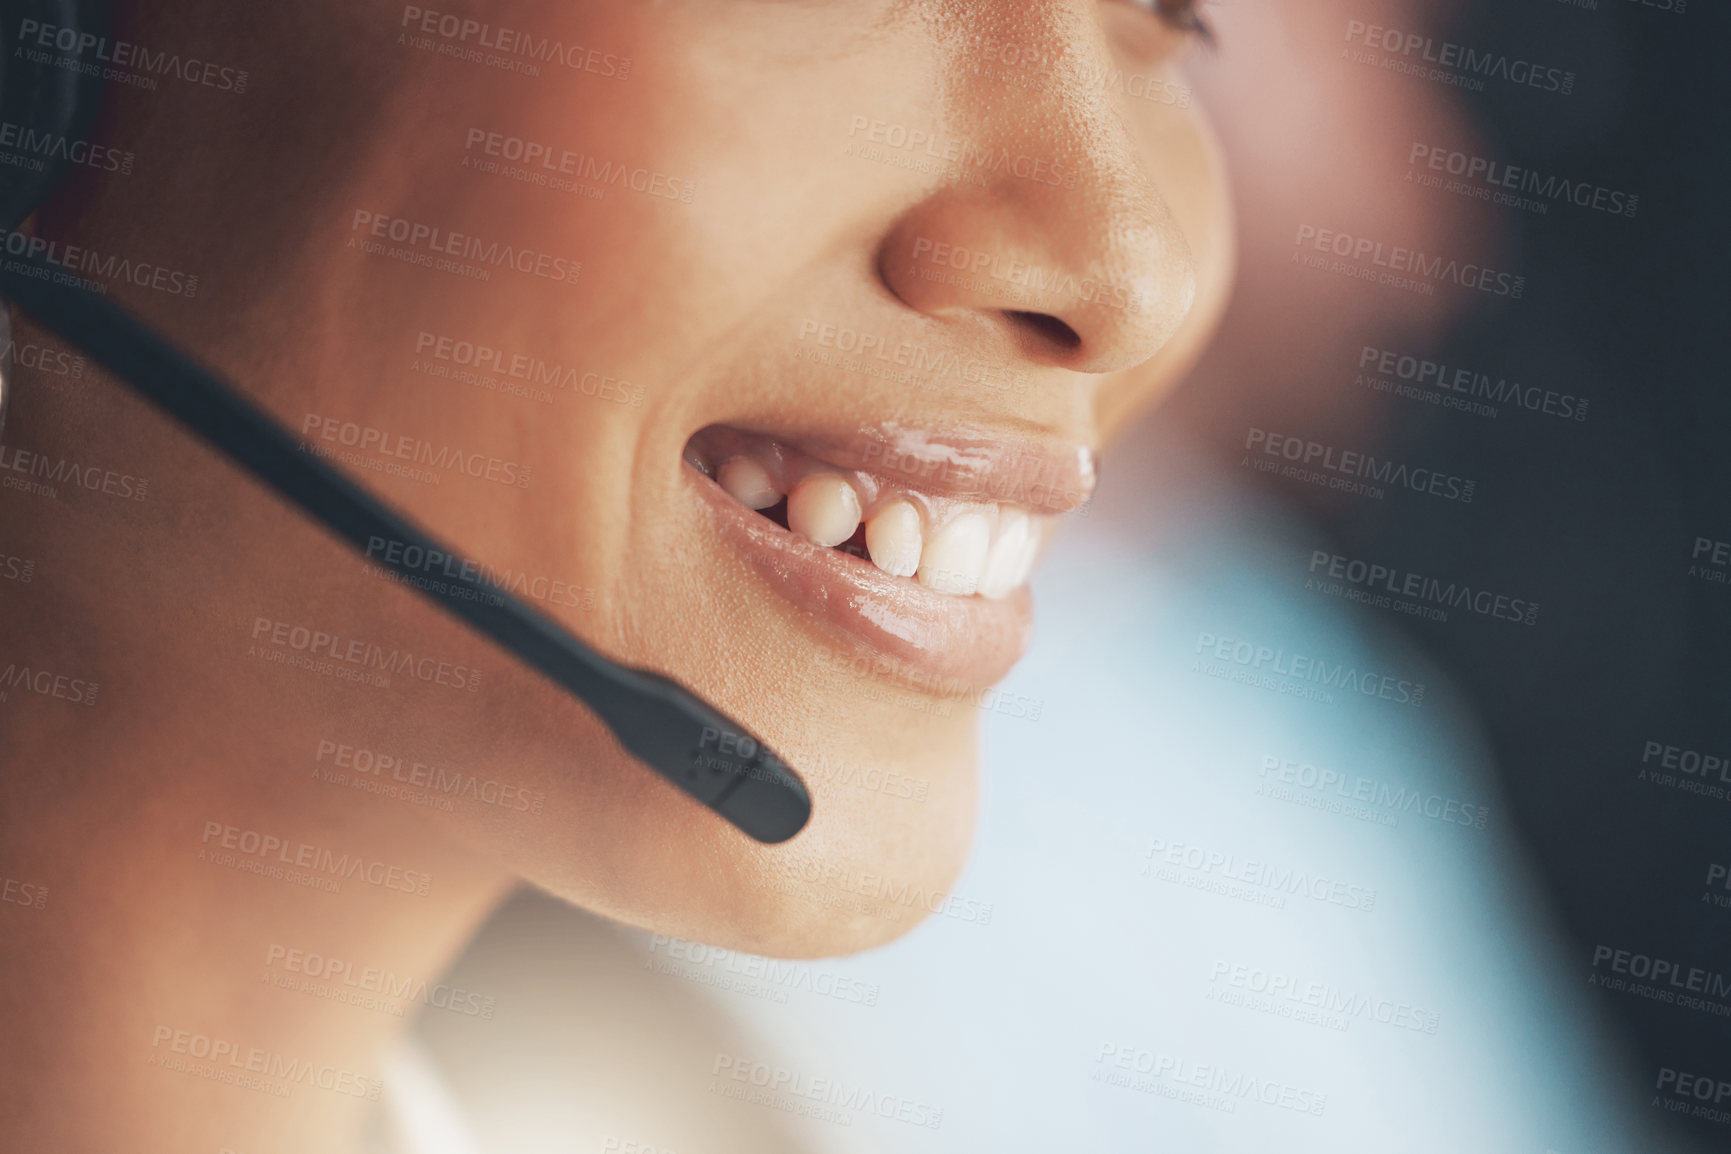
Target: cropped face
[769,341]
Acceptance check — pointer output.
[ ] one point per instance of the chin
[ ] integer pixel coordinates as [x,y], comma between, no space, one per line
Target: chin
[870,866]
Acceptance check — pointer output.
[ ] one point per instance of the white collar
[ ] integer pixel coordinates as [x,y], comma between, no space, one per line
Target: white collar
[420,1115]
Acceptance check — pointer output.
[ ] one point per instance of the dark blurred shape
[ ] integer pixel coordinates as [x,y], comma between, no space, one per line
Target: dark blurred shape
[1598,519]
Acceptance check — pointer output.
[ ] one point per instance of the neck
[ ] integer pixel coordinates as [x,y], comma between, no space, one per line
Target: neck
[228,936]
[231,931]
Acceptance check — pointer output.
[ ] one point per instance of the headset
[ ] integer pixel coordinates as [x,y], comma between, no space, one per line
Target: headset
[667,727]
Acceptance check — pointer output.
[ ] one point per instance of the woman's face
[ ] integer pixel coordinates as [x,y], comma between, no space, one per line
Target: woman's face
[646,263]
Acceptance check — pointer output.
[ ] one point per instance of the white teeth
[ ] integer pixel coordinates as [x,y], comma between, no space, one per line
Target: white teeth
[893,539]
[955,557]
[952,547]
[1011,556]
[748,483]
[824,509]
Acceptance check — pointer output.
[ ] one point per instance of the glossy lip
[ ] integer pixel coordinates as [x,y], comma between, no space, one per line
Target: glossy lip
[1040,474]
[926,642]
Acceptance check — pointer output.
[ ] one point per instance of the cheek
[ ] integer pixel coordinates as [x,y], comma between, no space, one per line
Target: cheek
[1182,156]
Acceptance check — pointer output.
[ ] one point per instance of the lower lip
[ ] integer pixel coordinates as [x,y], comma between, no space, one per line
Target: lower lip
[974,640]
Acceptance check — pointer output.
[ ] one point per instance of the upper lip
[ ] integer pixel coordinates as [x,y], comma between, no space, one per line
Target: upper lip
[1038,471]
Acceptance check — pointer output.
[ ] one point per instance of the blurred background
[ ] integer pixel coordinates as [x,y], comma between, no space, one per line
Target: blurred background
[1329,812]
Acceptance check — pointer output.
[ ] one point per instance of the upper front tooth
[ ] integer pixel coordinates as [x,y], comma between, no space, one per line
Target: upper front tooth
[748,482]
[893,539]
[955,557]
[823,508]
[1011,556]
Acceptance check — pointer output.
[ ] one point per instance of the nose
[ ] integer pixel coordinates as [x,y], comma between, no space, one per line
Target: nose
[1050,230]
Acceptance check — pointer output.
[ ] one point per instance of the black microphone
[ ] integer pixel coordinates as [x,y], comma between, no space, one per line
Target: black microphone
[658,721]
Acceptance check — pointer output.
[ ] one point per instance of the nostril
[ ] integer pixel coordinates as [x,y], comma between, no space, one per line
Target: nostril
[1048,328]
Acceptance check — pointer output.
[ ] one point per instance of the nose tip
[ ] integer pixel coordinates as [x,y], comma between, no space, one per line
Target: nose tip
[1088,278]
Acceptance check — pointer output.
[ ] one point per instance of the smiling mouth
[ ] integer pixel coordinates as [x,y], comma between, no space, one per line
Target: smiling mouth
[951,546]
[914,547]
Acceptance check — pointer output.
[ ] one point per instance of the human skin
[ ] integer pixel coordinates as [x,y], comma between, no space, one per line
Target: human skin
[116,806]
